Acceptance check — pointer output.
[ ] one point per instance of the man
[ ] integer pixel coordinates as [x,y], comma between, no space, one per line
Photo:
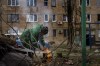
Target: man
[33,38]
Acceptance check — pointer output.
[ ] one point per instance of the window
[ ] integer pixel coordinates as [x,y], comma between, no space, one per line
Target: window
[45,2]
[13,31]
[64,2]
[87,2]
[98,2]
[31,2]
[98,17]
[88,18]
[53,3]
[65,32]
[31,18]
[46,18]
[13,17]
[13,2]
[65,18]
[54,18]
[54,32]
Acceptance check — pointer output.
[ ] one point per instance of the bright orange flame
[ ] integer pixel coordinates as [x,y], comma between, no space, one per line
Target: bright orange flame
[49,54]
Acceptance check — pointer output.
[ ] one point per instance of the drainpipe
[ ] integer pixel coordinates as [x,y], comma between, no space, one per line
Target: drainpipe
[83,25]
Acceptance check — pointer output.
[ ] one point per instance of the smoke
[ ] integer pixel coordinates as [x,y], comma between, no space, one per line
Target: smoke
[23,6]
[39,9]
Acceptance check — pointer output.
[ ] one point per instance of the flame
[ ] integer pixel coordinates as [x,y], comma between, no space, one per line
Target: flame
[49,54]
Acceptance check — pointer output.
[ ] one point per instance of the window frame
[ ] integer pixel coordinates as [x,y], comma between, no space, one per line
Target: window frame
[54,18]
[98,3]
[87,3]
[29,16]
[29,3]
[65,18]
[11,2]
[11,16]
[45,2]
[89,17]
[53,3]
[46,19]
[63,3]
[13,31]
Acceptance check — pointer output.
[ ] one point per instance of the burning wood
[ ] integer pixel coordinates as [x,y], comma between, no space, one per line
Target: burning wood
[47,55]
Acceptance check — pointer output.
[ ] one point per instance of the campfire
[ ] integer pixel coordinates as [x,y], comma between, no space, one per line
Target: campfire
[47,55]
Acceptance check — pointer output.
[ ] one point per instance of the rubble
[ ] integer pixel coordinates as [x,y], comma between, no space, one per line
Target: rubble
[9,56]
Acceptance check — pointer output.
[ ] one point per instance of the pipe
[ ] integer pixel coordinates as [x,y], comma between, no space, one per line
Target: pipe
[83,25]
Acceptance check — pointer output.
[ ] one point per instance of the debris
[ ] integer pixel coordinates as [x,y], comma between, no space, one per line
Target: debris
[96,51]
[69,62]
[6,40]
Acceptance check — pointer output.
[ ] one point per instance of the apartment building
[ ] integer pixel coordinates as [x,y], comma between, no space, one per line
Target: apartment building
[25,14]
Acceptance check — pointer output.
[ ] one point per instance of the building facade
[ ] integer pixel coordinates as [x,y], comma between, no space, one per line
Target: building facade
[25,14]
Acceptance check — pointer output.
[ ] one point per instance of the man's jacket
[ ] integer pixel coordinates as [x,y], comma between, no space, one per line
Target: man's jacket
[29,36]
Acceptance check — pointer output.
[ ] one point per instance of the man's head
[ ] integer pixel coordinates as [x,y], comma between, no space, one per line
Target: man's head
[44,30]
